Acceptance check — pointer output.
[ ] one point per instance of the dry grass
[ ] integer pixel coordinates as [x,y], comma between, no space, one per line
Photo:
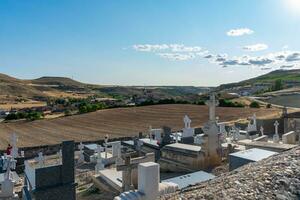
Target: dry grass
[117,122]
[29,104]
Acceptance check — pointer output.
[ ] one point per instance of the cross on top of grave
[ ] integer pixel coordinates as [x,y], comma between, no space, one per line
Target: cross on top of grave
[187,122]
[212,103]
[262,130]
[81,146]
[41,159]
[276,124]
[13,142]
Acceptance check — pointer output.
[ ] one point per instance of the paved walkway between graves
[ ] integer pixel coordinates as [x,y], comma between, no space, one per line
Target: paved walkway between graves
[118,122]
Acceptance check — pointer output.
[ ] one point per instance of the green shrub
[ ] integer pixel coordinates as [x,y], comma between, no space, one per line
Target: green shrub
[254,104]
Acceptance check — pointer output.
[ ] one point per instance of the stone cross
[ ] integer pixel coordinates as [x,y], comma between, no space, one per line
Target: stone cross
[187,122]
[13,142]
[7,186]
[81,156]
[41,159]
[276,124]
[262,130]
[212,103]
[276,135]
[127,169]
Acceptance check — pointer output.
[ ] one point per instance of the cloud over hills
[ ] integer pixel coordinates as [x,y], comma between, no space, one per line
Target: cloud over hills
[239,32]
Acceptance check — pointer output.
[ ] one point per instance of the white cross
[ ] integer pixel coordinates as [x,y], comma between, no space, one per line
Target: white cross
[81,146]
[187,122]
[276,124]
[212,103]
[41,159]
[262,130]
[13,141]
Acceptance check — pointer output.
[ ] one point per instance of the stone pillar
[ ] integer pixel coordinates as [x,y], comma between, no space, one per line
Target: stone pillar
[68,162]
[148,180]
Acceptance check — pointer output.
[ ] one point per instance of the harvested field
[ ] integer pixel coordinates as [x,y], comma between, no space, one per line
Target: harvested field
[117,123]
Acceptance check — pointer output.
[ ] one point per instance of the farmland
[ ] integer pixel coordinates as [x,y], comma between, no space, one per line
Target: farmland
[116,123]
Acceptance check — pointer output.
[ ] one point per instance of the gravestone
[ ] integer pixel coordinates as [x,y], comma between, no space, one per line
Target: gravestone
[212,103]
[41,159]
[188,132]
[7,186]
[13,142]
[252,125]
[262,130]
[276,138]
[81,155]
[167,136]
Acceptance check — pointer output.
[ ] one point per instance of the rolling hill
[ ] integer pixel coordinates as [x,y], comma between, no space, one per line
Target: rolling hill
[284,75]
[41,88]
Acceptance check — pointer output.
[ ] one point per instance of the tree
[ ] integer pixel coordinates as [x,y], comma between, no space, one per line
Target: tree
[254,104]
[278,85]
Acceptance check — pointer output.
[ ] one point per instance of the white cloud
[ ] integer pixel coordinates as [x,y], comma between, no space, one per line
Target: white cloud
[272,60]
[177,56]
[240,32]
[256,47]
[183,48]
[150,47]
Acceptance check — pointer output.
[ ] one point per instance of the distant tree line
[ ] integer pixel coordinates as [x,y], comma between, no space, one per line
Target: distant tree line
[32,115]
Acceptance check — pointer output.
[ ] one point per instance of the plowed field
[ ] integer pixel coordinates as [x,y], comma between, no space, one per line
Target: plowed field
[116,122]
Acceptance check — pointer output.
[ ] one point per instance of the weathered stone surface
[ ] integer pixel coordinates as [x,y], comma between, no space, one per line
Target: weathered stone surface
[277,177]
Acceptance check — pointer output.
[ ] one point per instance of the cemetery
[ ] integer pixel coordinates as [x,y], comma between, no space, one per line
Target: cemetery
[154,164]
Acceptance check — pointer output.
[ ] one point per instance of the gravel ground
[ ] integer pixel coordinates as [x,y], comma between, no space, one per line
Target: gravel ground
[277,177]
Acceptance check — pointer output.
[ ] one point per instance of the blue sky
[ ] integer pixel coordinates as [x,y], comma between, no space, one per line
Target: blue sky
[149,42]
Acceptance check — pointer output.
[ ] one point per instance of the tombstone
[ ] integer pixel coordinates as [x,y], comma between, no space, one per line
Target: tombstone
[7,186]
[116,148]
[289,138]
[41,159]
[81,155]
[13,142]
[188,132]
[262,130]
[212,103]
[140,135]
[155,134]
[187,122]
[276,135]
[235,133]
[99,164]
[167,136]
[52,182]
[252,125]
[148,179]
[222,129]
